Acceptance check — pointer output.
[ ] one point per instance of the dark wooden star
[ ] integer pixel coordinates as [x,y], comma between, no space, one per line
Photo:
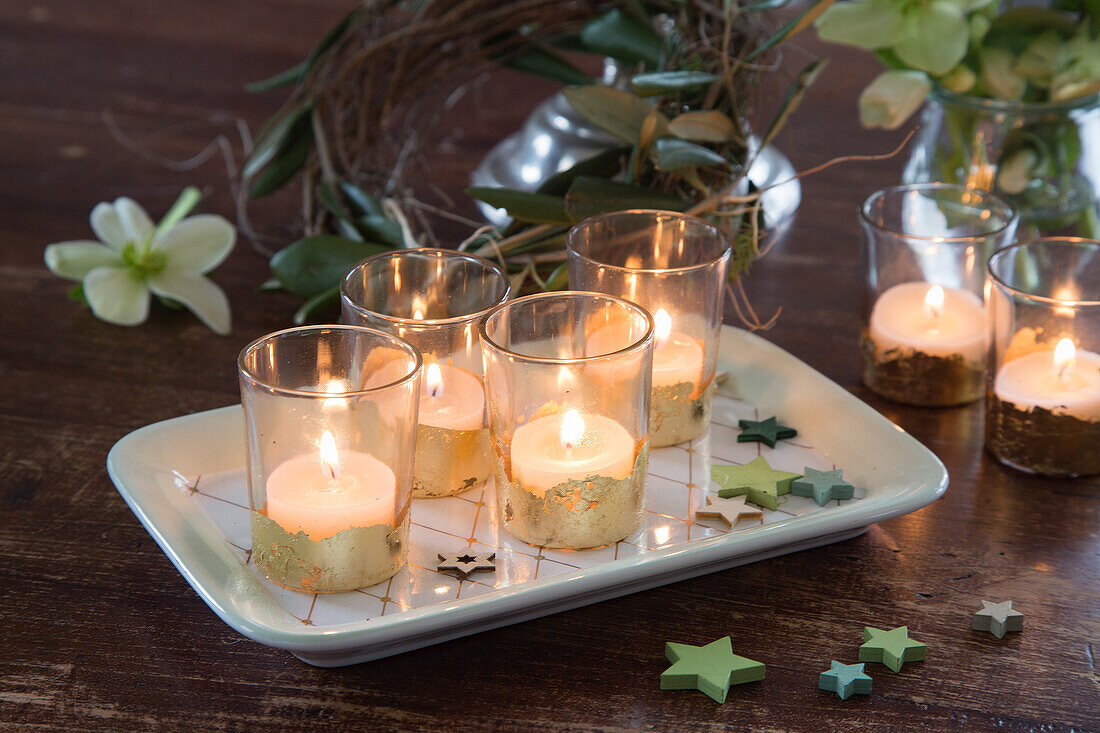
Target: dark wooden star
[764,431]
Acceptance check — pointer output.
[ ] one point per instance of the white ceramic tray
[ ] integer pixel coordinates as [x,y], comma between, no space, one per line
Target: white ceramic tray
[184,479]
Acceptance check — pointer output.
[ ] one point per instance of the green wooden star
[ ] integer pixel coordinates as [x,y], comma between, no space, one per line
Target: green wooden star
[760,481]
[764,431]
[711,669]
[823,486]
[845,680]
[893,648]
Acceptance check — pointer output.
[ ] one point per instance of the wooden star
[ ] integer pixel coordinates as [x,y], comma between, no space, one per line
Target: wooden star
[711,669]
[465,562]
[845,680]
[767,431]
[728,510]
[823,486]
[760,481]
[892,648]
[998,619]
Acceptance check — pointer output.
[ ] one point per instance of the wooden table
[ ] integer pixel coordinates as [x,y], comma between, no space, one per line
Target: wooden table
[98,629]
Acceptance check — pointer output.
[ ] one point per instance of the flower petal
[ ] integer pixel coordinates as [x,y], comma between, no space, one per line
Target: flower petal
[117,295]
[198,243]
[892,97]
[74,260]
[135,222]
[108,226]
[201,296]
[934,38]
[867,24]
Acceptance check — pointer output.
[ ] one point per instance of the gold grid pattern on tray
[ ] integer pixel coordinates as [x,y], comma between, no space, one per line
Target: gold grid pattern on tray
[679,479]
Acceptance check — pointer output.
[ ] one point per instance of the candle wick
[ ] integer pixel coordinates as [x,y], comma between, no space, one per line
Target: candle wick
[331,471]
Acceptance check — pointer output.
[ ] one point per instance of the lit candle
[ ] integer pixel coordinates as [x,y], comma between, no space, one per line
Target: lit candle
[1065,381]
[553,449]
[677,357]
[451,398]
[933,320]
[327,493]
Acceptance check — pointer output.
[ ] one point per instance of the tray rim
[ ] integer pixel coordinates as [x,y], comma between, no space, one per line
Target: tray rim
[428,625]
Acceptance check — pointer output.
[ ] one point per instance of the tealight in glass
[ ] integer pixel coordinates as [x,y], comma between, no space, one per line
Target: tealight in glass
[925,339]
[1043,402]
[434,298]
[675,267]
[568,416]
[330,418]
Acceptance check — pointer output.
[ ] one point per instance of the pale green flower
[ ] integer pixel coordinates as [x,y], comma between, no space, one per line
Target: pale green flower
[997,75]
[892,97]
[133,259]
[1082,70]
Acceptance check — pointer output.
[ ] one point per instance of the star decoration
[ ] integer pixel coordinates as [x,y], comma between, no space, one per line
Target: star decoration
[465,562]
[845,680]
[764,431]
[823,486]
[998,619]
[893,648]
[711,669]
[760,481]
[728,510]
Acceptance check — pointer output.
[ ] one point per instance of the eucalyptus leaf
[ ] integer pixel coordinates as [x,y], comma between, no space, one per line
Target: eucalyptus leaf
[559,278]
[674,153]
[604,164]
[286,164]
[538,207]
[545,63]
[623,38]
[272,283]
[590,196]
[663,82]
[361,200]
[381,229]
[316,304]
[710,126]
[315,264]
[795,94]
[620,113]
[793,27]
[276,138]
[331,201]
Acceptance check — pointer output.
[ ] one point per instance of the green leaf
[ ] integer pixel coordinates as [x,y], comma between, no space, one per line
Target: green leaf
[601,165]
[590,196]
[624,38]
[276,139]
[315,264]
[648,85]
[316,304]
[328,198]
[793,27]
[674,153]
[381,229]
[273,283]
[710,126]
[76,293]
[362,200]
[286,164]
[802,83]
[545,63]
[863,23]
[620,113]
[293,75]
[539,207]
[559,278]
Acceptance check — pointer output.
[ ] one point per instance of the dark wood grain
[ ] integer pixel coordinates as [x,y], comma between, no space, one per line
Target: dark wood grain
[99,631]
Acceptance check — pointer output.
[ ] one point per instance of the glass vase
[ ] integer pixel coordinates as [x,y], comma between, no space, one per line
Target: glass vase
[1044,159]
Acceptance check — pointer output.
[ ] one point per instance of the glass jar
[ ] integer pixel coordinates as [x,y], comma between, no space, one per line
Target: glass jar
[926,245]
[330,417]
[434,299]
[1043,403]
[1043,159]
[568,416]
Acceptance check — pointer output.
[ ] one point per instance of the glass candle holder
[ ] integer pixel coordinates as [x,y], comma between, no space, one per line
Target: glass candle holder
[330,417]
[434,299]
[1043,402]
[568,416]
[925,338]
[675,267]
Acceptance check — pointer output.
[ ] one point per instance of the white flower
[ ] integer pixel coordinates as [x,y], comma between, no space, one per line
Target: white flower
[892,97]
[133,259]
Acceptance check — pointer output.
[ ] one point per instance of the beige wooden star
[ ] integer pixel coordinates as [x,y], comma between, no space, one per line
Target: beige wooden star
[465,562]
[728,510]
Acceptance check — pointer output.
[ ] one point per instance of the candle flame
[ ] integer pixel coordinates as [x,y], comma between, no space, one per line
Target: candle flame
[572,429]
[662,326]
[1065,354]
[434,381]
[329,455]
[933,301]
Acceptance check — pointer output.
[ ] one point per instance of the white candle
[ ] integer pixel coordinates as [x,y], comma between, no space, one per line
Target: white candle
[937,321]
[451,398]
[568,446]
[1065,381]
[677,357]
[327,493]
